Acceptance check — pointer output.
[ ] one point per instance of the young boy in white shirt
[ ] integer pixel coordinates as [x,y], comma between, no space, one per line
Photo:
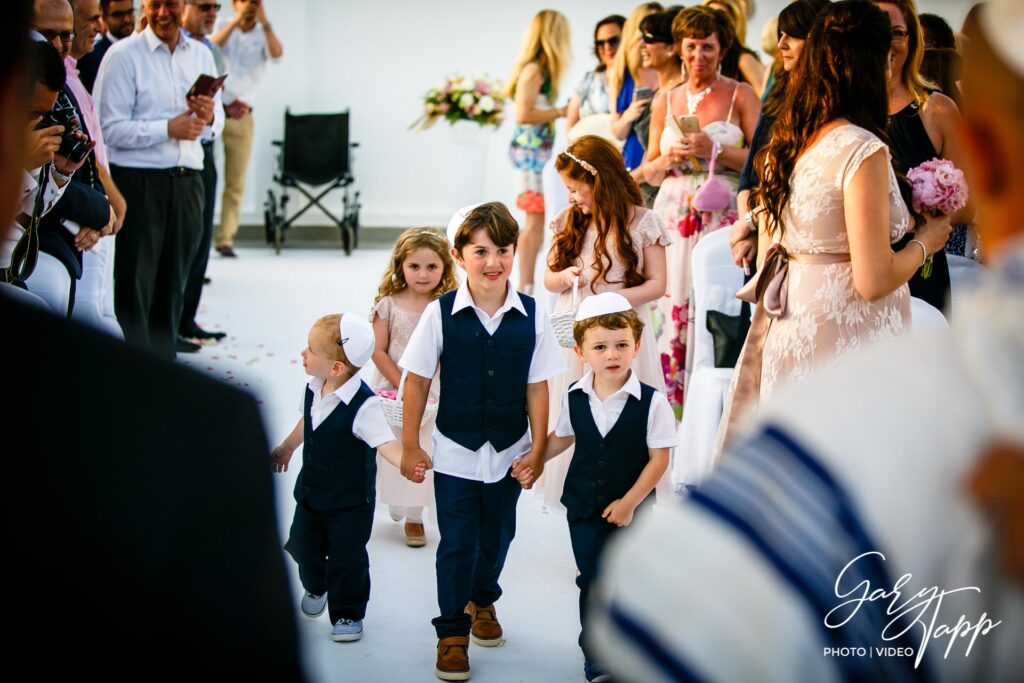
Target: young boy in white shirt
[496,350]
[623,431]
[341,425]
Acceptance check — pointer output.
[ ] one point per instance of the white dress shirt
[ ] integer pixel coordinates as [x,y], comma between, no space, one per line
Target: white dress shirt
[29,183]
[370,426]
[661,421]
[246,55]
[421,358]
[140,86]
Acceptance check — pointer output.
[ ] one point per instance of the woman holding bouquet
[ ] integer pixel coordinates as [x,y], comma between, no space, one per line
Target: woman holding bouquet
[922,125]
[826,165]
[533,86]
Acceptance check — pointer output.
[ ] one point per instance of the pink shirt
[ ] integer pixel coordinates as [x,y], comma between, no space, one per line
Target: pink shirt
[88,109]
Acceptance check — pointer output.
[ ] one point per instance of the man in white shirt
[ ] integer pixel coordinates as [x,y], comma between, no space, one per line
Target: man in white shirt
[872,526]
[152,129]
[248,42]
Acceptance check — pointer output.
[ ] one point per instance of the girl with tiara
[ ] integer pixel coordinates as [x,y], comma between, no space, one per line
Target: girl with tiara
[420,270]
[612,243]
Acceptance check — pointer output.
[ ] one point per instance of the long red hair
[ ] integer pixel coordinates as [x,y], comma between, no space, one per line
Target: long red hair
[616,196]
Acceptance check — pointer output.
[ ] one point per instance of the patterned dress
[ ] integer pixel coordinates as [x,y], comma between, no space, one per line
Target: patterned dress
[392,487]
[529,151]
[645,230]
[673,204]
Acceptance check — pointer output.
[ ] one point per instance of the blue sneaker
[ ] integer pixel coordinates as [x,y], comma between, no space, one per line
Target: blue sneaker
[312,605]
[347,630]
[594,672]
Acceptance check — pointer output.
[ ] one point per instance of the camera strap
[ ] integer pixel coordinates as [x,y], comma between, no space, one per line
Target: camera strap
[26,252]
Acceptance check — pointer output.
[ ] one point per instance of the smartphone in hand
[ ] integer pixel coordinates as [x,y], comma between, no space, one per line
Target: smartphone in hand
[644,93]
[689,124]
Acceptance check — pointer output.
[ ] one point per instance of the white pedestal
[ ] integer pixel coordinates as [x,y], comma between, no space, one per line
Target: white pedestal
[469,151]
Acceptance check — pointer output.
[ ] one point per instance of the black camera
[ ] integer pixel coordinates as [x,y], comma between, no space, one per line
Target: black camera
[72,147]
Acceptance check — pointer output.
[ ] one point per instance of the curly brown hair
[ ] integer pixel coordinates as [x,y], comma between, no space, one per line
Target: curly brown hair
[616,196]
[840,74]
[409,241]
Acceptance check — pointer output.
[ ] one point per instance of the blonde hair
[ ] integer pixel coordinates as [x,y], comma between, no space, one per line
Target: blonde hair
[628,56]
[547,43]
[409,241]
[737,13]
[331,326]
[770,39]
[914,82]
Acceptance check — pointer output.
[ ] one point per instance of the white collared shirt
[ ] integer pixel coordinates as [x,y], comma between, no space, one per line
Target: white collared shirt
[140,86]
[421,358]
[661,421]
[370,426]
[246,55]
[29,184]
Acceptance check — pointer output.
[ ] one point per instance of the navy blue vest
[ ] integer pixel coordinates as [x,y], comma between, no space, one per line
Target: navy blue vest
[603,469]
[338,469]
[484,377]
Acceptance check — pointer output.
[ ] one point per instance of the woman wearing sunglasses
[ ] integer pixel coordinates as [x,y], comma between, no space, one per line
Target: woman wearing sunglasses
[591,97]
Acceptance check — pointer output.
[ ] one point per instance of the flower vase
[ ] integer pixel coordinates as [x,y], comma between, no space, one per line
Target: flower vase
[469,147]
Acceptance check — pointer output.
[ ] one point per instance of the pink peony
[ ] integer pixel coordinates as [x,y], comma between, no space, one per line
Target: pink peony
[938,185]
[482,87]
[444,107]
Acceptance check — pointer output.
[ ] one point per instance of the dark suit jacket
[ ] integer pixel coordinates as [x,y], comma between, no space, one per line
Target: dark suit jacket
[140,532]
[89,65]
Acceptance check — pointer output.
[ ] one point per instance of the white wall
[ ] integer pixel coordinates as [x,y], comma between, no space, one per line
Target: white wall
[377,58]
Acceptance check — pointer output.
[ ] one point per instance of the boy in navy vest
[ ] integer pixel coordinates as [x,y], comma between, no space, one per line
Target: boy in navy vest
[341,425]
[496,350]
[623,431]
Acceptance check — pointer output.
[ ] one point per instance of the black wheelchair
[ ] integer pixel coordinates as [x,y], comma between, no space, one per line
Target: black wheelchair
[315,152]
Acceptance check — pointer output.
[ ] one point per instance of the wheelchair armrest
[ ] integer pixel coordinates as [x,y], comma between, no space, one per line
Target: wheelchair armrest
[277,143]
[353,144]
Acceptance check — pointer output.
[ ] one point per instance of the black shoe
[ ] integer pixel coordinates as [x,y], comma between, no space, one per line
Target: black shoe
[227,252]
[196,332]
[185,346]
[207,280]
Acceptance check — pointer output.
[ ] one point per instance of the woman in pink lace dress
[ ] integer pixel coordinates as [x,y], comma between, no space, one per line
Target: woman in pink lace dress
[613,244]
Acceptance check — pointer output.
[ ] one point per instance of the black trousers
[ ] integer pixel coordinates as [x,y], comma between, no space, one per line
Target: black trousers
[588,537]
[194,280]
[330,549]
[155,249]
[477,522]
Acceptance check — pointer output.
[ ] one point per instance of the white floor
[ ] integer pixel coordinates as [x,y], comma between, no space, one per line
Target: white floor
[267,303]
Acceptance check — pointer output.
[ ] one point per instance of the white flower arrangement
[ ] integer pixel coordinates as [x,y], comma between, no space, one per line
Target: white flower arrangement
[460,98]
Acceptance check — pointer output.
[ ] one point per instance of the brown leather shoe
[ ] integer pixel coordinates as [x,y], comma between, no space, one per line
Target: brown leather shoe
[486,630]
[415,537]
[452,659]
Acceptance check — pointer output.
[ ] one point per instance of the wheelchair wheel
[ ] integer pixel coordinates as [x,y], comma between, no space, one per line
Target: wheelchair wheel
[278,235]
[269,216]
[346,237]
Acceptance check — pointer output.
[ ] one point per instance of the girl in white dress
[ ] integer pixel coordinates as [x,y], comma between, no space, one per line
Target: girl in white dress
[421,269]
[613,243]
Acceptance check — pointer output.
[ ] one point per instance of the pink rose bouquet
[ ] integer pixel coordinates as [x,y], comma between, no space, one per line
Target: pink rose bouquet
[938,187]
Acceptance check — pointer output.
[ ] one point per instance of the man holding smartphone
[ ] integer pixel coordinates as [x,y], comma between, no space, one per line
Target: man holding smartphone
[152,129]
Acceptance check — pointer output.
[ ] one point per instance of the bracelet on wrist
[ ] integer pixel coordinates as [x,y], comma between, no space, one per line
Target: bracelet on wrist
[924,250]
[751,225]
[268,27]
[61,175]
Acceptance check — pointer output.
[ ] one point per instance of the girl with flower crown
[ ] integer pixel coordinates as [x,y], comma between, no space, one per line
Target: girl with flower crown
[420,270]
[612,243]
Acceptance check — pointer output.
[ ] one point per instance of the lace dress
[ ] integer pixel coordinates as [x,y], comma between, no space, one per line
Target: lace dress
[673,205]
[392,487]
[645,230]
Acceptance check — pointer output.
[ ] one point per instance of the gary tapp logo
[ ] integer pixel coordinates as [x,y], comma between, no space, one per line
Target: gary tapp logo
[915,619]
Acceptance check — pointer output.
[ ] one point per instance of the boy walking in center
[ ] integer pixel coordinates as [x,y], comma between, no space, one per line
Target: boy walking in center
[496,350]
[623,430]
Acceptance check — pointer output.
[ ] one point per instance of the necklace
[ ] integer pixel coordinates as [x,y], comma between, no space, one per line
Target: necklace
[693,99]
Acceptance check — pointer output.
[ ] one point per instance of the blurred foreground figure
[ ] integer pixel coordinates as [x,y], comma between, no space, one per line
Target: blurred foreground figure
[871,524]
[141,541]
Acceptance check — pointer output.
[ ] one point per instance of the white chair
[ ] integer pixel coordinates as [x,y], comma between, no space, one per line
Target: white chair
[926,321]
[714,284]
[964,273]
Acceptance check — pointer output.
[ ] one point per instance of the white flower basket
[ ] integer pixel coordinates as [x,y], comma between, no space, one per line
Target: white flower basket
[393,406]
[562,322]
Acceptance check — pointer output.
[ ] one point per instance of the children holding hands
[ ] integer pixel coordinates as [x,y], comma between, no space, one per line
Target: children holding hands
[341,425]
[496,352]
[622,429]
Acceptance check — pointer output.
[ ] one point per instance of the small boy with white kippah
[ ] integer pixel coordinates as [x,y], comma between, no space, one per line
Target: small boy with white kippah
[341,425]
[623,430]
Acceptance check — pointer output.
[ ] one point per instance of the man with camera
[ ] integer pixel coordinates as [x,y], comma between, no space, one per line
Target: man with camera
[152,120]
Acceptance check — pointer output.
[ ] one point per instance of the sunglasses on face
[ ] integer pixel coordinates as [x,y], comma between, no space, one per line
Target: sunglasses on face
[51,35]
[611,43]
[649,38]
[208,7]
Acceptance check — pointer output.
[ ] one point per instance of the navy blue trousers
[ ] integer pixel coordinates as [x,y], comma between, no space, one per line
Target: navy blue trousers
[477,523]
[330,549]
[588,537]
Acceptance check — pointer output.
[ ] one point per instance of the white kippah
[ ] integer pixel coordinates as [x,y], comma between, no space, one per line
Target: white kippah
[602,304]
[357,339]
[457,220]
[1003,24]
